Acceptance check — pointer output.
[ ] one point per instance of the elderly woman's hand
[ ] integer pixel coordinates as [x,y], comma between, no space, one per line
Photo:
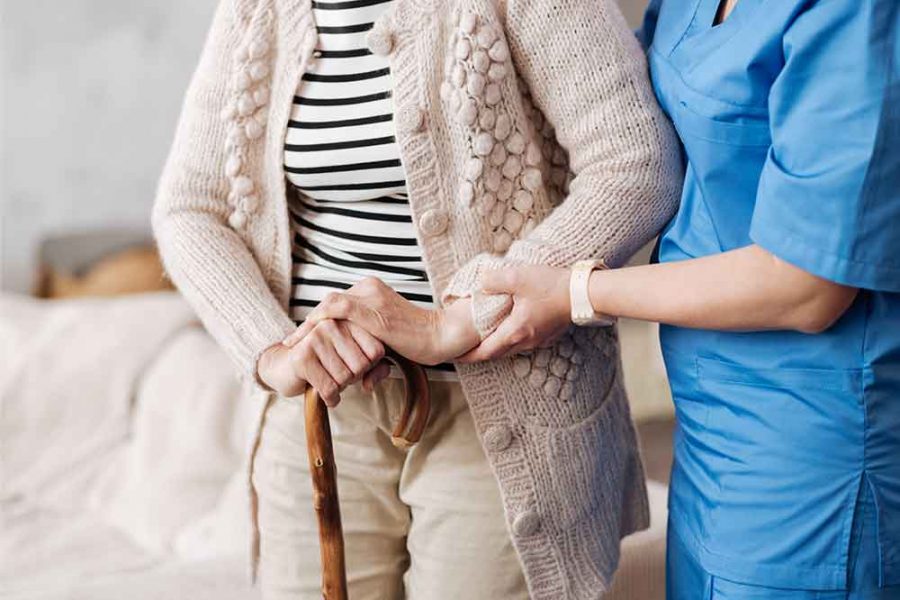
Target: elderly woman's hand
[333,355]
[540,313]
[425,336]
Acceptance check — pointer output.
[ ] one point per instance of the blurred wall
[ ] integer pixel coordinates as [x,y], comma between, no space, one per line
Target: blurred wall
[91,90]
[89,94]
[633,10]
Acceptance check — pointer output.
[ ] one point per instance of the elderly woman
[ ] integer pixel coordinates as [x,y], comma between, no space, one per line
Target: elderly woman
[396,149]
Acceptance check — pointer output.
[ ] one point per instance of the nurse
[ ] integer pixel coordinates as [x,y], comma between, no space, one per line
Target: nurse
[778,287]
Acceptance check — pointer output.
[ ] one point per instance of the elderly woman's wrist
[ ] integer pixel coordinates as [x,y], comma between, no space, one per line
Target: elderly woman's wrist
[455,332]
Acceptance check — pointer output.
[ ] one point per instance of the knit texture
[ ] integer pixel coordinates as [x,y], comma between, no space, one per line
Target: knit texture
[529,135]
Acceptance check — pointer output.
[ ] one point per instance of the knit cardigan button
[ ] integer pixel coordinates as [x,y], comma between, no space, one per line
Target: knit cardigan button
[434,222]
[411,119]
[526,523]
[473,169]
[380,41]
[497,438]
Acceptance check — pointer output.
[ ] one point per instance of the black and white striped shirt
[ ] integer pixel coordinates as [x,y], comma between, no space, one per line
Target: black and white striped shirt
[351,218]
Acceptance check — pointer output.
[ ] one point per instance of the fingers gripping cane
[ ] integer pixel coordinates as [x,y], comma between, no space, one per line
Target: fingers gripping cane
[408,431]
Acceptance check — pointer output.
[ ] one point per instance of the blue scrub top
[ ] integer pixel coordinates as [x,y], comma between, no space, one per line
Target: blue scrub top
[789,115]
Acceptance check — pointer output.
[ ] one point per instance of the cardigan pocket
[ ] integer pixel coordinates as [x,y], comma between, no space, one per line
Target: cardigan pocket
[593,468]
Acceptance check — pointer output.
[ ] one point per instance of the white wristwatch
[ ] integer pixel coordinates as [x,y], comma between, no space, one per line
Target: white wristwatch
[583,312]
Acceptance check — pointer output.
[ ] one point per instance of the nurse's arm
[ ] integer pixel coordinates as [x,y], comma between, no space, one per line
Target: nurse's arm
[744,289]
[741,290]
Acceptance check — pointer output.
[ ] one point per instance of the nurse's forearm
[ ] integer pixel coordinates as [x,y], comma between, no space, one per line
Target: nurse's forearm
[744,289]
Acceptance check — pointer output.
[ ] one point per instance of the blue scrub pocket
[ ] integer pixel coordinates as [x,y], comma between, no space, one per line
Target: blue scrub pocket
[691,121]
[719,149]
[783,453]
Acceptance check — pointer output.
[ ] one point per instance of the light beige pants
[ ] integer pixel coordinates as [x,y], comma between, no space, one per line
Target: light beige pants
[426,524]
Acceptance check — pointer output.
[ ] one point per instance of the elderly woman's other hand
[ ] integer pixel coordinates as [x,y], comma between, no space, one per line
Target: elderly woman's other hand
[426,336]
[333,355]
[540,313]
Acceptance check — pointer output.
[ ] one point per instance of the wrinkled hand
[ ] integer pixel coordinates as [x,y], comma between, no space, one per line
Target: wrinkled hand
[540,313]
[426,336]
[333,355]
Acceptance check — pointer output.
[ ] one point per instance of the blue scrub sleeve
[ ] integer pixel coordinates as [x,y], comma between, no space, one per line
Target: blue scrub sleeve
[829,196]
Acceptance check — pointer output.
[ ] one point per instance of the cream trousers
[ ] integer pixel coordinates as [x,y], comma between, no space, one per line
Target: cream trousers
[425,524]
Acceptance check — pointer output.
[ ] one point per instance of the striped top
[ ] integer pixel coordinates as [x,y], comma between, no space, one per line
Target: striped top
[351,218]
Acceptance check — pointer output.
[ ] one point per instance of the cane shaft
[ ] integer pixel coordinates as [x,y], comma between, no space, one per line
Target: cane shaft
[325,497]
[408,431]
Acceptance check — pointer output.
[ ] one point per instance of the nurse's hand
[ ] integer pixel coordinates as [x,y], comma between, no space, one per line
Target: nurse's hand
[540,313]
[332,356]
[425,336]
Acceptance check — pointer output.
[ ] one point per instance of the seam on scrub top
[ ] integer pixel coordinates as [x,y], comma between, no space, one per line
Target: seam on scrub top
[686,29]
[763,108]
[870,183]
[847,533]
[881,576]
[737,12]
[866,480]
[709,213]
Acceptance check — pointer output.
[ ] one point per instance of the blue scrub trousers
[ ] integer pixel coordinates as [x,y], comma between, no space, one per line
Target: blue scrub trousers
[687,580]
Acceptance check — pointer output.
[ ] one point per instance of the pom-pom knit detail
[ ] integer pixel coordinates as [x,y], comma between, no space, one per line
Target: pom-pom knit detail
[477,78]
[246,115]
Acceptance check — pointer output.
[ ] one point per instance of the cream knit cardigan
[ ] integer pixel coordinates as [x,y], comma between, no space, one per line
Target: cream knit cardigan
[529,134]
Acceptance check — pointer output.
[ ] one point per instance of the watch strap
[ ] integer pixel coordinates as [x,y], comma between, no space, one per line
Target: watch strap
[583,312]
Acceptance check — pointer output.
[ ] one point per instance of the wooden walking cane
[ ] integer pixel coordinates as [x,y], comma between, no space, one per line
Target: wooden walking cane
[408,431]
